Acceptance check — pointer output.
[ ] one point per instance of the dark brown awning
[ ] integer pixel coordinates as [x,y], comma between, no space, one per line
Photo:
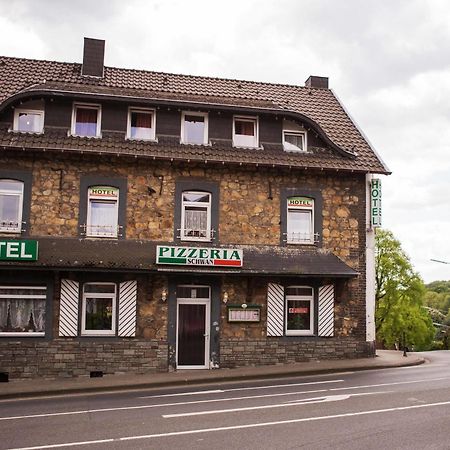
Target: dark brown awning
[140,256]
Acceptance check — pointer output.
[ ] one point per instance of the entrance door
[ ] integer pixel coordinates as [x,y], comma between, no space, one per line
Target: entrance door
[193,311]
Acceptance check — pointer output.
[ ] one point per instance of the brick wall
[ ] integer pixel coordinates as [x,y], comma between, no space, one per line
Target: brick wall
[77,357]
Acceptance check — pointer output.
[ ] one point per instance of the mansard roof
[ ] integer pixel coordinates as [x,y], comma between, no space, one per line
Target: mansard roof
[317,107]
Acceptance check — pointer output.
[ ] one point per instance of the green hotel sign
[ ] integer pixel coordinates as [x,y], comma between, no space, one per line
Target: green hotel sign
[18,250]
[197,256]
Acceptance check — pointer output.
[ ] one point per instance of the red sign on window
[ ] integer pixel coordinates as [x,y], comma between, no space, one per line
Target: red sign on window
[298,310]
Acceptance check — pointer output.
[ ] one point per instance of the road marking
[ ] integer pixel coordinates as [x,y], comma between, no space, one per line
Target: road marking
[125,408]
[306,401]
[182,394]
[259,387]
[388,384]
[233,427]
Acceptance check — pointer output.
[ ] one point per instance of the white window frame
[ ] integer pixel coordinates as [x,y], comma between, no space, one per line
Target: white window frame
[151,111]
[208,237]
[289,238]
[205,128]
[310,298]
[93,106]
[89,233]
[38,112]
[295,133]
[18,229]
[87,295]
[236,137]
[42,296]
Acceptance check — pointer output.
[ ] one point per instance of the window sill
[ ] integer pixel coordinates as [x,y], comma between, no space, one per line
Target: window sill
[26,132]
[150,140]
[247,147]
[22,334]
[204,144]
[10,231]
[69,134]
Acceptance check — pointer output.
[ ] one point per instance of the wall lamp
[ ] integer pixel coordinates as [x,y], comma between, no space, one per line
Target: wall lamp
[225,297]
[163,295]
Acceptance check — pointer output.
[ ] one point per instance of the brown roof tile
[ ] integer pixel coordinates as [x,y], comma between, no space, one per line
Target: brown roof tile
[320,105]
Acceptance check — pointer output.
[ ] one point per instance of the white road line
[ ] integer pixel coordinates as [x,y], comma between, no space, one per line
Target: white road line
[258,387]
[233,427]
[182,394]
[126,408]
[388,384]
[306,401]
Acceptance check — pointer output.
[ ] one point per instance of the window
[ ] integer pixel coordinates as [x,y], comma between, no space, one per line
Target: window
[11,205]
[141,124]
[99,309]
[196,216]
[102,214]
[245,132]
[28,120]
[86,120]
[294,141]
[194,128]
[299,311]
[300,220]
[22,310]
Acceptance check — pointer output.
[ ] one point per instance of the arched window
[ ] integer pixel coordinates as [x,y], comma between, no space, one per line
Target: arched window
[196,216]
[103,210]
[11,206]
[300,220]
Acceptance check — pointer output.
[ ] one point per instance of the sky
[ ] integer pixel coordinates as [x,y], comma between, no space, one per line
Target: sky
[387,61]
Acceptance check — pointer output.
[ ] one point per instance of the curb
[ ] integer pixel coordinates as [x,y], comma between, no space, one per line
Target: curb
[90,390]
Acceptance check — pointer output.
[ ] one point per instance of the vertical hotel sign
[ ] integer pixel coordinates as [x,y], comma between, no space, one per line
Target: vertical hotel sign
[375,203]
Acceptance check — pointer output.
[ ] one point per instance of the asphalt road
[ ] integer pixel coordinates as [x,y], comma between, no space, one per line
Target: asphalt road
[403,408]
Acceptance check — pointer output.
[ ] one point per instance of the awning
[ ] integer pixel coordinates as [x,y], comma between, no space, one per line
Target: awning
[137,255]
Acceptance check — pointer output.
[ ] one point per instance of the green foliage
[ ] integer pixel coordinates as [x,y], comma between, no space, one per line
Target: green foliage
[400,315]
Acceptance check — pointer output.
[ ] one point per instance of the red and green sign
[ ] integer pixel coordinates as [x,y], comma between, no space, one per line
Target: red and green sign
[300,202]
[197,256]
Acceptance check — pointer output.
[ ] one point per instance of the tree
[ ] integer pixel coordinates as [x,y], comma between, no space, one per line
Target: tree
[399,316]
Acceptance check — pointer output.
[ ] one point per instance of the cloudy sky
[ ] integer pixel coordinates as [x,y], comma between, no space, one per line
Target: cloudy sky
[388,61]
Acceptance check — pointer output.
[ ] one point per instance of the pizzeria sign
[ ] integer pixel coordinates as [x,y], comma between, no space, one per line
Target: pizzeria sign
[199,256]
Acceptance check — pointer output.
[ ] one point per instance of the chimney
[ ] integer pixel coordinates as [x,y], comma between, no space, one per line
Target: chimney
[317,82]
[93,57]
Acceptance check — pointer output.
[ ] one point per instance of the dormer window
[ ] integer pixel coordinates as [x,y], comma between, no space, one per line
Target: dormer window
[245,132]
[294,137]
[294,141]
[194,128]
[141,124]
[28,121]
[86,120]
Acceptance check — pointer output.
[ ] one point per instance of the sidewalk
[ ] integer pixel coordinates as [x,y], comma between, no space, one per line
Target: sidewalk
[37,387]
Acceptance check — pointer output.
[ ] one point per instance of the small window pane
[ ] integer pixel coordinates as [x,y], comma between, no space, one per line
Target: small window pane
[196,197]
[11,185]
[192,292]
[9,210]
[86,122]
[299,315]
[244,127]
[99,314]
[141,125]
[194,130]
[29,122]
[99,288]
[304,291]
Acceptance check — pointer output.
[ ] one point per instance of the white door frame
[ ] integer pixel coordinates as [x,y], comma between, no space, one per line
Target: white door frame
[196,301]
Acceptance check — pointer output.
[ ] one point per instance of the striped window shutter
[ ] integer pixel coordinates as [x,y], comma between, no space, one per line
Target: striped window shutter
[275,310]
[127,308]
[68,308]
[326,310]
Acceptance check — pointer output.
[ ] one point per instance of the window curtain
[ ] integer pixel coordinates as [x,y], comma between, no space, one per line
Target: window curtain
[86,122]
